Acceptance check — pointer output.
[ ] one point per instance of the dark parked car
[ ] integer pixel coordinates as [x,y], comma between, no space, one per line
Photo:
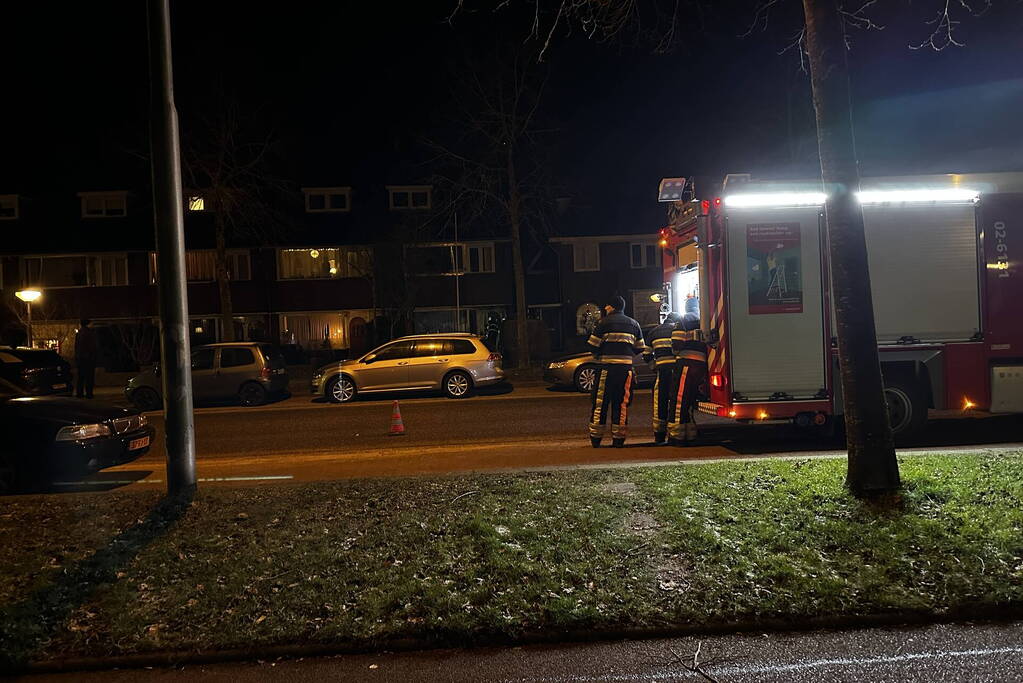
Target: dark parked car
[53,438]
[246,371]
[579,370]
[36,371]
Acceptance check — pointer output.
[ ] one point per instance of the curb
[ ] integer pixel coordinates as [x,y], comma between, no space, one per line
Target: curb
[177,658]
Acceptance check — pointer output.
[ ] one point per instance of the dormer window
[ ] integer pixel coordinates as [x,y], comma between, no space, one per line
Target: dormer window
[327,199]
[104,204]
[409,197]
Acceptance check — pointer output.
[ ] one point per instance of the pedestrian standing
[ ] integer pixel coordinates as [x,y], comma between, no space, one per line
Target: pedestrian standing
[615,341]
[659,351]
[86,356]
[690,373]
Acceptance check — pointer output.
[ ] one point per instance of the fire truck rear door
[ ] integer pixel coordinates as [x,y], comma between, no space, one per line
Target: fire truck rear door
[776,312]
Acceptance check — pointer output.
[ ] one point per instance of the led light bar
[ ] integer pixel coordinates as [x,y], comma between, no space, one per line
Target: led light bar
[775,199]
[945,194]
[767,199]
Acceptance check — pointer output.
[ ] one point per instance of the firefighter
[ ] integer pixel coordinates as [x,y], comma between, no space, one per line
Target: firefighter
[659,351]
[616,339]
[690,372]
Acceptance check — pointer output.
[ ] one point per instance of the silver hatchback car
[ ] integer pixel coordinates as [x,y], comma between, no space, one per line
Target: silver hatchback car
[453,363]
[248,371]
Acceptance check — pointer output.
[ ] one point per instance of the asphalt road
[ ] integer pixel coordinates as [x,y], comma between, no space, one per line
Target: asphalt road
[964,652]
[528,426]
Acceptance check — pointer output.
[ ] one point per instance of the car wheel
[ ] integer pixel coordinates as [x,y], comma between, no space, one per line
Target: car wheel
[145,399]
[457,385]
[586,378]
[252,394]
[907,406]
[341,389]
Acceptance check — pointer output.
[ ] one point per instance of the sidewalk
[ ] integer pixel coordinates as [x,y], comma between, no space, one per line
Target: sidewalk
[363,565]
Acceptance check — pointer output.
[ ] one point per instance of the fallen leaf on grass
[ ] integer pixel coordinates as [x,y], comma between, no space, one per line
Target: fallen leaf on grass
[261,619]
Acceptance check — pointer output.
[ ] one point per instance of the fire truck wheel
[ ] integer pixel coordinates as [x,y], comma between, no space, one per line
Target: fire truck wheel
[907,406]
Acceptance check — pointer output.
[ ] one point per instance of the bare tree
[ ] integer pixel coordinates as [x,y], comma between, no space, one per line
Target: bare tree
[491,167]
[227,167]
[140,338]
[823,41]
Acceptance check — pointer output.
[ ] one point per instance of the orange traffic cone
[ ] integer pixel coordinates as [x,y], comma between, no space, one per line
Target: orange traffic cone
[397,426]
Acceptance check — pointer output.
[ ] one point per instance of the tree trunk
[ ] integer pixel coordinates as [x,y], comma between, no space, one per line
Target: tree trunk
[515,218]
[872,466]
[223,275]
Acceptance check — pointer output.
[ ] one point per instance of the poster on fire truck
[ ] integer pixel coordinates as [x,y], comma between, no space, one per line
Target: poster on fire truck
[774,268]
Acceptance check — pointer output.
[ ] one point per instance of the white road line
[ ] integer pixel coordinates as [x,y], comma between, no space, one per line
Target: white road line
[857,661]
[776,668]
[104,482]
[261,478]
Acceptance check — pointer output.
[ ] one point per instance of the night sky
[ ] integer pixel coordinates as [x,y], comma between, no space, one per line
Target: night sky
[350,89]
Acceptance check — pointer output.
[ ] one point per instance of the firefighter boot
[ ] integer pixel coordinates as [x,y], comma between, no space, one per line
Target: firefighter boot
[595,442]
[660,437]
[617,443]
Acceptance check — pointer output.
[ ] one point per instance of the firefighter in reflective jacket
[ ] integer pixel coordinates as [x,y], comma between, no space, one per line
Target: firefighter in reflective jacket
[659,351]
[691,371]
[616,339]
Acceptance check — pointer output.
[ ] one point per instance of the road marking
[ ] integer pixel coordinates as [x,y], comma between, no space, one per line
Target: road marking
[104,482]
[775,668]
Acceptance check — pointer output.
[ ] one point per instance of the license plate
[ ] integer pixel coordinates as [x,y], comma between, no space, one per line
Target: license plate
[136,444]
[60,386]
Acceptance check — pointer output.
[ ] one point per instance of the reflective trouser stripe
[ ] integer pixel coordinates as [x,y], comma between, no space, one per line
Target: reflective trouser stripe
[620,429]
[596,428]
[659,422]
[676,429]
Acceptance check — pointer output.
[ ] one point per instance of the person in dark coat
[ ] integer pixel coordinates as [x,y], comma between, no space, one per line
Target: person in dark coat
[616,339]
[86,357]
[659,350]
[690,372]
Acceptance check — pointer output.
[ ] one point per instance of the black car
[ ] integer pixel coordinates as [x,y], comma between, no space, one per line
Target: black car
[36,371]
[55,438]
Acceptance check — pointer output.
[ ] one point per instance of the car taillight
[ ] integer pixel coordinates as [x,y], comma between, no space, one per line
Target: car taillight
[265,373]
[717,380]
[494,357]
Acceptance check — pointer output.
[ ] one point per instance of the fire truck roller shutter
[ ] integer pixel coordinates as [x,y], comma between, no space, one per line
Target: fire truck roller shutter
[923,271]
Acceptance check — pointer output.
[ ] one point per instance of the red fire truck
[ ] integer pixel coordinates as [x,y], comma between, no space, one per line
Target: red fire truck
[946,277]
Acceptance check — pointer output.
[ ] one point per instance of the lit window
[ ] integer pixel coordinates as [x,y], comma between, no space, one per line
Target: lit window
[8,207]
[586,256]
[327,199]
[201,266]
[410,197]
[196,204]
[104,204]
[325,263]
[643,255]
[77,271]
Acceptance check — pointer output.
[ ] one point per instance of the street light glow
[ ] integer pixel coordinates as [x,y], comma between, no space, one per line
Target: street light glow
[28,295]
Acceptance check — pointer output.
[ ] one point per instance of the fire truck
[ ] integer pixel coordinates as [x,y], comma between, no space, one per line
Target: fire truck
[946,279]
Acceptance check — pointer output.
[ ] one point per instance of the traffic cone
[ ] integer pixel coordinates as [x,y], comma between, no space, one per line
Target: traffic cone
[397,426]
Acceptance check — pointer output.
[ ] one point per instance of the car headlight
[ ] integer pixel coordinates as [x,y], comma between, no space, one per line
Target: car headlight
[317,376]
[83,432]
[555,366]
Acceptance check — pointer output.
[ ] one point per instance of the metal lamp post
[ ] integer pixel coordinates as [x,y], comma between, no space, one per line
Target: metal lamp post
[28,296]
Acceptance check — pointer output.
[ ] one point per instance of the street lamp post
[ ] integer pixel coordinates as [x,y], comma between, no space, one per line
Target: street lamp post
[28,296]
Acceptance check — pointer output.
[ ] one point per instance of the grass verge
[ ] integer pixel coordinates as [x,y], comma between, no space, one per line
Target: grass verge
[457,559]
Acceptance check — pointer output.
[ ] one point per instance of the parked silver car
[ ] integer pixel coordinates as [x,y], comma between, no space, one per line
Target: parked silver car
[248,371]
[579,370]
[453,363]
